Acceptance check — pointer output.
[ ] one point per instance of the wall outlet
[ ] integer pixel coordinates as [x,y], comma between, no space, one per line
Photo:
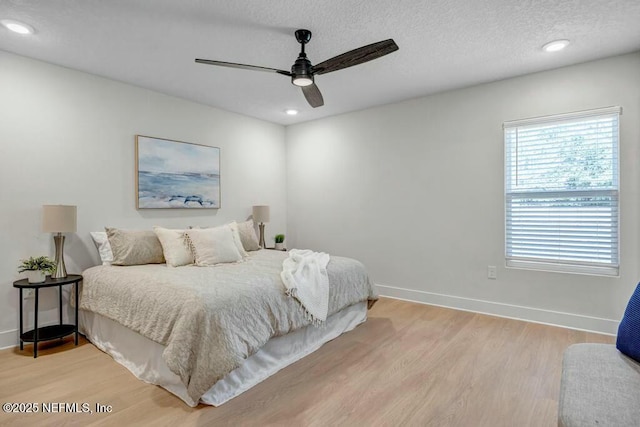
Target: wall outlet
[29,293]
[492,272]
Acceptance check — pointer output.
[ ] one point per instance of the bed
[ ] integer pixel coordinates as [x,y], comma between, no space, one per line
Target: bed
[207,334]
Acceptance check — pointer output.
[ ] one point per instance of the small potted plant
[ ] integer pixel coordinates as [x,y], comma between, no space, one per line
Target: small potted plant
[279,242]
[36,269]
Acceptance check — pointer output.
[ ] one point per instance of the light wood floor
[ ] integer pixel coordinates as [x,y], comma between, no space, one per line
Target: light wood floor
[408,365]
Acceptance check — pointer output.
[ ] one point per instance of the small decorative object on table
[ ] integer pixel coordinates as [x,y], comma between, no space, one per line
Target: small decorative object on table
[279,242]
[36,269]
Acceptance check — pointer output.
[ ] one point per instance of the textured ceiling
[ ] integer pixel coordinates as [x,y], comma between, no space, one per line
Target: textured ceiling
[444,44]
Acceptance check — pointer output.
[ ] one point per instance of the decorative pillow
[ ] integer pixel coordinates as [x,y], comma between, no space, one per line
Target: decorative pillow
[248,236]
[213,246]
[628,341]
[104,248]
[134,247]
[237,240]
[175,247]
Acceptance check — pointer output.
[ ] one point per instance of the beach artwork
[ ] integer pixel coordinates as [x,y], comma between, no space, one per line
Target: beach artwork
[176,175]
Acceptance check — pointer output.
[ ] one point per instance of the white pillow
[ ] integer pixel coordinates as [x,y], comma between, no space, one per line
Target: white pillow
[237,240]
[213,246]
[175,247]
[101,241]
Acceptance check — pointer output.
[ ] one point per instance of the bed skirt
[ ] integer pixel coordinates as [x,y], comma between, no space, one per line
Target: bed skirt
[143,357]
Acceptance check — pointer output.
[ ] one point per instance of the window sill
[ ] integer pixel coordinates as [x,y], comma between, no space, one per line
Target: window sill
[564,268]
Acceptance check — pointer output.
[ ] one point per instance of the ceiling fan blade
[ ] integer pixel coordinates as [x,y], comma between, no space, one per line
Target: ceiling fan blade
[243,66]
[356,56]
[313,95]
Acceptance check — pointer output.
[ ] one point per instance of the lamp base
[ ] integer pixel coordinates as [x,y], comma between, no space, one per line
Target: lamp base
[61,270]
[261,243]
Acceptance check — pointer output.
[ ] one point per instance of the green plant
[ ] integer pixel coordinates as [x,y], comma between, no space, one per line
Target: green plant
[279,238]
[41,263]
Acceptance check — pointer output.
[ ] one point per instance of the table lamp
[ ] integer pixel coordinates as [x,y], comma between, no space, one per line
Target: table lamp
[261,215]
[59,219]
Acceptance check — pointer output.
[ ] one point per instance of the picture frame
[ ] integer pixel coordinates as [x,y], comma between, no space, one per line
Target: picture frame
[176,175]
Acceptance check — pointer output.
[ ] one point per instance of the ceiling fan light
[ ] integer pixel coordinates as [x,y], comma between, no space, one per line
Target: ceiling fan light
[302,80]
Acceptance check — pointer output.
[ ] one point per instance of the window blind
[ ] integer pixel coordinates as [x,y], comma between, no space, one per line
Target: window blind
[561,192]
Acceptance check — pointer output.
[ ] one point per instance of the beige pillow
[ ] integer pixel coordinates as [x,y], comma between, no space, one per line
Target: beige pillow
[175,247]
[134,247]
[248,235]
[211,246]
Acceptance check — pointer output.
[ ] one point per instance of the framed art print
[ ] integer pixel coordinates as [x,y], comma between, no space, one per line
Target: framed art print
[176,175]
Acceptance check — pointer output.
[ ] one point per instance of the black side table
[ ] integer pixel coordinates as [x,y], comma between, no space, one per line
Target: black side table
[52,332]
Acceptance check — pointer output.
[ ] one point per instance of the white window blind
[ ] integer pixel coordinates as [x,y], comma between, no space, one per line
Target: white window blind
[561,192]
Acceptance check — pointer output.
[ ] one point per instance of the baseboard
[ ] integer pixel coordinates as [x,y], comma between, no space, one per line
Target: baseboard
[529,314]
[8,339]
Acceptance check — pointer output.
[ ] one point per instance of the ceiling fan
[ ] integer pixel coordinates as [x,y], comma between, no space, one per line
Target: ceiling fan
[302,72]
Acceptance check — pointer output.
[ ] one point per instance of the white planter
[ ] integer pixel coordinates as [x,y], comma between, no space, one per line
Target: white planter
[35,276]
[279,246]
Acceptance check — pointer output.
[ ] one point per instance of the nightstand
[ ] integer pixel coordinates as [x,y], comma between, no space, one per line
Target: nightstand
[52,332]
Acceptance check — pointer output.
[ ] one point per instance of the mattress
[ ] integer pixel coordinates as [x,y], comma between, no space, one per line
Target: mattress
[143,357]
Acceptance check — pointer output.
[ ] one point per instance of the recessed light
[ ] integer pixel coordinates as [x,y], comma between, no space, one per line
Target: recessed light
[18,27]
[555,45]
[292,112]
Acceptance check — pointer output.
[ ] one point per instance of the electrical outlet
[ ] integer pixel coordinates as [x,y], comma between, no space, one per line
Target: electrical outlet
[492,272]
[30,293]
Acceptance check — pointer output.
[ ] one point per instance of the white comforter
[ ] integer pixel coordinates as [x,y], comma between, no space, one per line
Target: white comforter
[212,318]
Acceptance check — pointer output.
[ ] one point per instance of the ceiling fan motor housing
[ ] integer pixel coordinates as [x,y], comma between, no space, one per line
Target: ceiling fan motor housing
[301,72]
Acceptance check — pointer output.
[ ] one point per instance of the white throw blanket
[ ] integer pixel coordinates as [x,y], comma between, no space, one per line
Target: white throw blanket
[304,274]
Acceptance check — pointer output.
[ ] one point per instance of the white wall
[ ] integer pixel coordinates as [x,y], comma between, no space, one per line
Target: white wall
[67,137]
[415,191]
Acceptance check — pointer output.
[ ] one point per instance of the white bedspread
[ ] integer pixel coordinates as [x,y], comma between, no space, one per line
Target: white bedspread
[304,274]
[212,318]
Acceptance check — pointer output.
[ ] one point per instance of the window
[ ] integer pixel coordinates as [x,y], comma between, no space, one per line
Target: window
[561,192]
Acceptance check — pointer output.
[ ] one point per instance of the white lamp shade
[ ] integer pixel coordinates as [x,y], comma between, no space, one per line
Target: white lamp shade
[59,219]
[261,213]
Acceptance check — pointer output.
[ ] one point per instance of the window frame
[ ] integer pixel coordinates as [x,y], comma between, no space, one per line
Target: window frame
[575,267]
